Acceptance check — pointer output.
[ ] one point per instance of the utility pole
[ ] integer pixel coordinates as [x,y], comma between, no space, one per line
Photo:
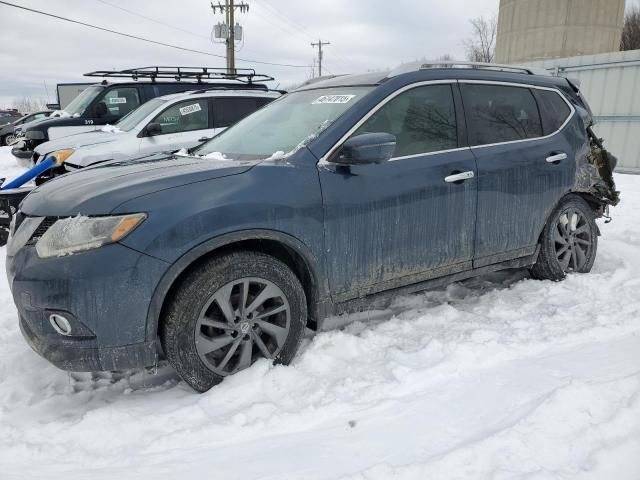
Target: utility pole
[230,31]
[231,46]
[320,44]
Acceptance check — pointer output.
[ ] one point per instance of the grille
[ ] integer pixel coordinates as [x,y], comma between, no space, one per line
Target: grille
[42,228]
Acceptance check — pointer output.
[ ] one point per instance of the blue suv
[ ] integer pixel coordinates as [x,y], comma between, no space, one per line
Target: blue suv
[340,195]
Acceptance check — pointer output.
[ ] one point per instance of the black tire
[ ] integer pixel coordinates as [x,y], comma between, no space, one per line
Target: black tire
[3,141]
[579,242]
[4,236]
[194,307]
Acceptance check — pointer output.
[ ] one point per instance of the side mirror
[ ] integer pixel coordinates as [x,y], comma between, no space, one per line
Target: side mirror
[153,129]
[367,148]
[101,109]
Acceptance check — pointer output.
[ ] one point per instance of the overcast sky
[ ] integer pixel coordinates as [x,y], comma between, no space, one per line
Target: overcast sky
[364,35]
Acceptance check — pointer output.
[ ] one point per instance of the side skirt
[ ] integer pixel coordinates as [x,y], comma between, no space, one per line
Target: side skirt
[375,305]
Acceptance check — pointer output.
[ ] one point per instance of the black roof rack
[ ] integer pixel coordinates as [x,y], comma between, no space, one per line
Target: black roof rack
[247,75]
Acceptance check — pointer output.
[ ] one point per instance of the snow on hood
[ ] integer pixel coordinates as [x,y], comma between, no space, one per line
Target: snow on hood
[110,129]
[63,114]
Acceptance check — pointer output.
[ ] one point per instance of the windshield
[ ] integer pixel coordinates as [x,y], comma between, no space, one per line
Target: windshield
[283,125]
[79,104]
[134,117]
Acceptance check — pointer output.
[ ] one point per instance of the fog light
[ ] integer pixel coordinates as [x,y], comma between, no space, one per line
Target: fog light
[60,324]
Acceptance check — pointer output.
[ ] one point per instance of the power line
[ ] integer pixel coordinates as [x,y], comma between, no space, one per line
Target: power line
[288,20]
[308,35]
[281,24]
[58,17]
[131,12]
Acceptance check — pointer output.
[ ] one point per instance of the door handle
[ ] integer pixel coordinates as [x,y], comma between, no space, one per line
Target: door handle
[204,139]
[459,177]
[558,157]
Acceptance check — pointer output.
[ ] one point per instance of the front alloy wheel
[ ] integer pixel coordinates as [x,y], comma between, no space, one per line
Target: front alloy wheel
[243,320]
[229,312]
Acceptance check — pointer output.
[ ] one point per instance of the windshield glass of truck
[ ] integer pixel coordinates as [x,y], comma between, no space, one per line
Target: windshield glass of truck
[133,118]
[284,125]
[79,104]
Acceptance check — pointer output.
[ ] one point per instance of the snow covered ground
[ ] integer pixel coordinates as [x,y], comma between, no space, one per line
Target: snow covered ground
[501,377]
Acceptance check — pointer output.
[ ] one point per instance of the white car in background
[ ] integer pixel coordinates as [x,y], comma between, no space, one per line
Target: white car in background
[168,123]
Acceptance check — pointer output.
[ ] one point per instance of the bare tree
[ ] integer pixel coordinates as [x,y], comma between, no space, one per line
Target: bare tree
[445,58]
[29,104]
[631,31]
[481,45]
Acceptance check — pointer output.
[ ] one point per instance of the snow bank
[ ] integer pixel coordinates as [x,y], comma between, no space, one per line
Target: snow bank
[10,166]
[500,377]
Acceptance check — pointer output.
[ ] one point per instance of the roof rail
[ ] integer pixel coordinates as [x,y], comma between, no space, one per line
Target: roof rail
[224,86]
[313,80]
[415,66]
[247,75]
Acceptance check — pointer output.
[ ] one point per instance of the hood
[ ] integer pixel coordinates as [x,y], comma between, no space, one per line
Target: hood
[78,140]
[44,123]
[99,190]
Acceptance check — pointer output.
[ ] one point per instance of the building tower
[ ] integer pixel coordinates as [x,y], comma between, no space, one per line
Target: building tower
[531,30]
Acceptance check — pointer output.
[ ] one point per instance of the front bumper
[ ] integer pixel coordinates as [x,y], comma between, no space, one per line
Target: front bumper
[104,293]
[85,355]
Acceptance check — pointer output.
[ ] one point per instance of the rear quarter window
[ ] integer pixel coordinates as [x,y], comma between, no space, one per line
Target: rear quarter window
[498,114]
[553,110]
[230,110]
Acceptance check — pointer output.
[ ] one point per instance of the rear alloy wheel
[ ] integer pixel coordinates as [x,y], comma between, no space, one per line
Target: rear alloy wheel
[230,312]
[569,241]
[572,241]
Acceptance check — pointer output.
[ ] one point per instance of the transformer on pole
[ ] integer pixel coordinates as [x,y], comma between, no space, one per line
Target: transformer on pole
[229,31]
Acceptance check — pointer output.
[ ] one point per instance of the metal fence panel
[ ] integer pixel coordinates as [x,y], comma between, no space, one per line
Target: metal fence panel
[611,84]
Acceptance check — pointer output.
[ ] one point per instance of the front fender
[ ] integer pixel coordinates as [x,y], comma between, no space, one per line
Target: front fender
[173,273]
[274,200]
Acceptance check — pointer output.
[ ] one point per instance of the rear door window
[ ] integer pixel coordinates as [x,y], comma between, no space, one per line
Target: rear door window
[230,110]
[553,110]
[184,116]
[497,114]
[422,119]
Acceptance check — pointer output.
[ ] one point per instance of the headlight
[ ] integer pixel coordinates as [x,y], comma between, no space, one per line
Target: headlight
[77,234]
[60,155]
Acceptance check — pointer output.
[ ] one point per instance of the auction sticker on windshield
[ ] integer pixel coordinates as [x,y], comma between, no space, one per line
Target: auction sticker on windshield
[190,109]
[332,99]
[118,100]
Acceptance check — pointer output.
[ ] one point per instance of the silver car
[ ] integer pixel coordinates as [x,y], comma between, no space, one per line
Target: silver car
[168,123]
